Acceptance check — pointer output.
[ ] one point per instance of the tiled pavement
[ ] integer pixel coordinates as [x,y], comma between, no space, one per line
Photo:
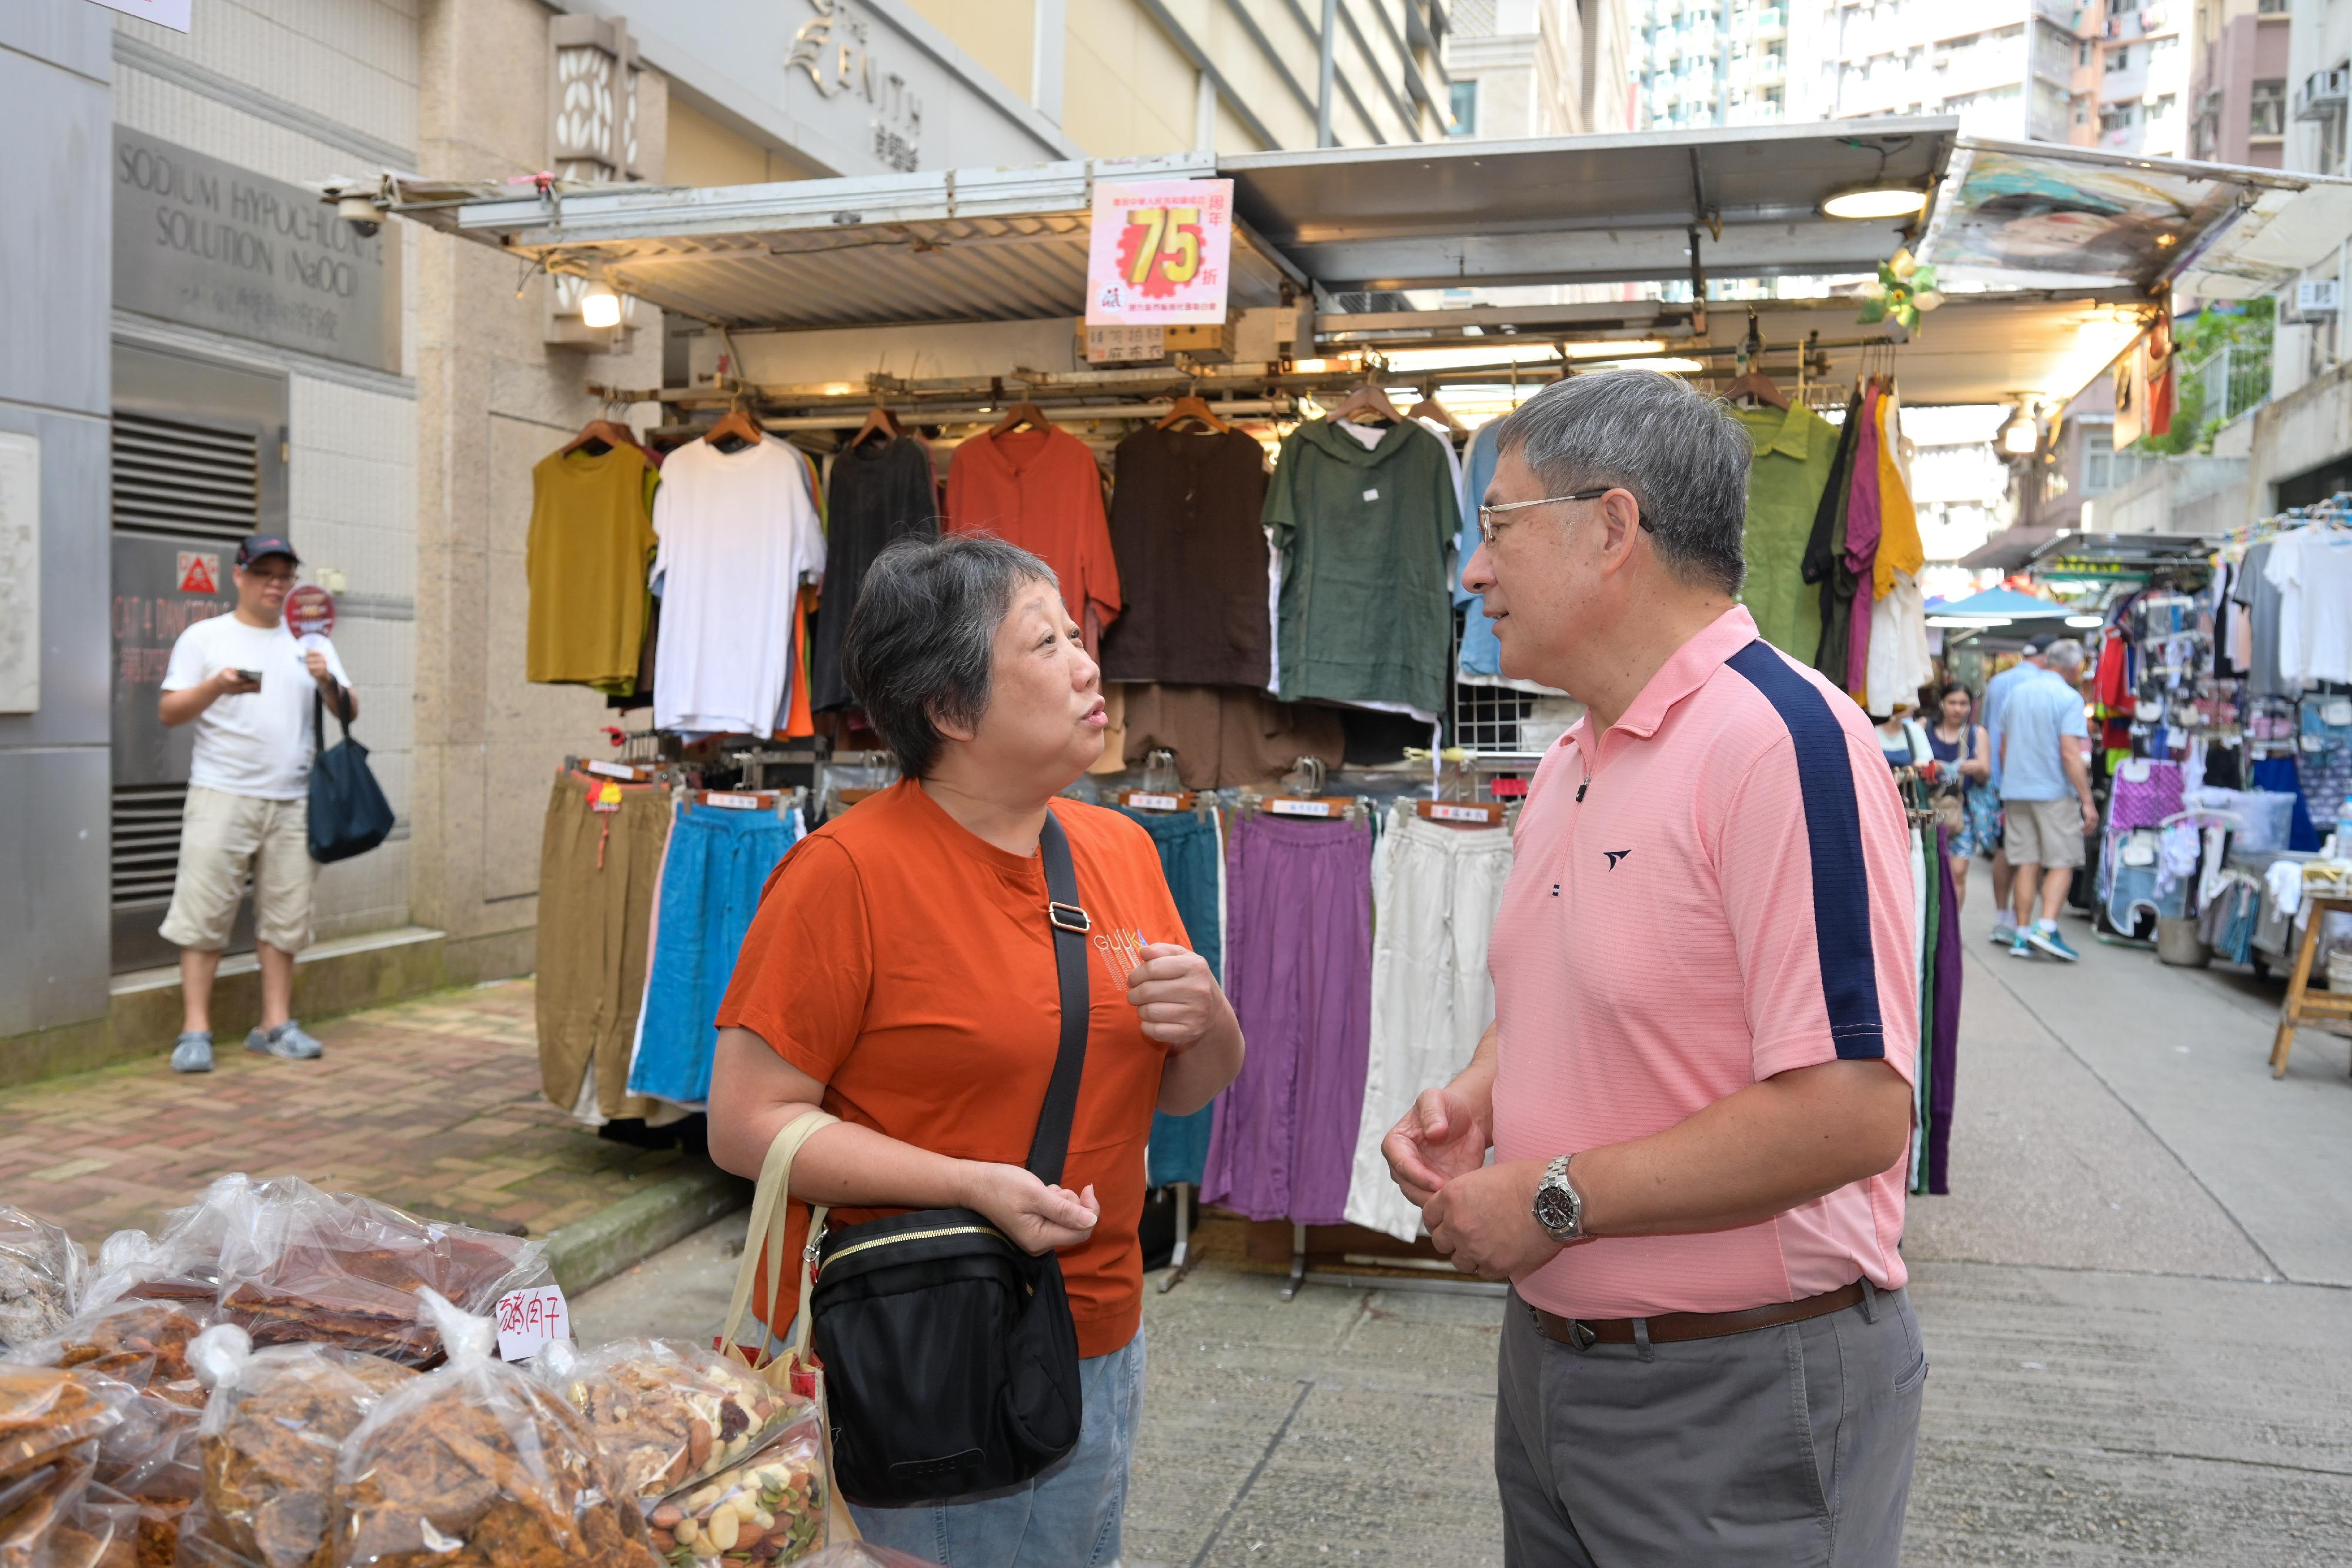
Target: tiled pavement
[432,1104]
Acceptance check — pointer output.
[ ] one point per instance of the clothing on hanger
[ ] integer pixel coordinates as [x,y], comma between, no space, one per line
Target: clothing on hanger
[591,535]
[1039,488]
[882,491]
[1192,856]
[1363,537]
[600,859]
[1191,557]
[1796,453]
[739,536]
[1228,736]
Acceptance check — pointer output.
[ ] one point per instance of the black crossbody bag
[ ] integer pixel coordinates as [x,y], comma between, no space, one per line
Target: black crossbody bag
[951,1359]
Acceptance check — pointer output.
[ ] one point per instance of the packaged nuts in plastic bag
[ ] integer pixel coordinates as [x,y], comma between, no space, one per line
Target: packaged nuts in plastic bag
[479,1465]
[666,1414]
[768,1507]
[269,1442]
[42,1277]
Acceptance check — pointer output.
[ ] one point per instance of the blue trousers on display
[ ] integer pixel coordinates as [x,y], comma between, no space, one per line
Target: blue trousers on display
[711,879]
[1189,858]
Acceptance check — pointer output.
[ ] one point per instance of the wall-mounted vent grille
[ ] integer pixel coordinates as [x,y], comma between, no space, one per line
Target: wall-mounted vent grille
[186,479]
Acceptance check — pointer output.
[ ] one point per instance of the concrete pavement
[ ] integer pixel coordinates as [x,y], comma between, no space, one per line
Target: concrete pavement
[2134,1301]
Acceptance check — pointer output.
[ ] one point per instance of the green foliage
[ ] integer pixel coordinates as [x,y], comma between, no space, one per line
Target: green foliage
[2245,324]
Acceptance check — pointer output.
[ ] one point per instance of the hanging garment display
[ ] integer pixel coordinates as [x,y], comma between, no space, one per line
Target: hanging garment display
[1299,974]
[1192,557]
[2260,597]
[1039,488]
[592,532]
[1192,855]
[600,856]
[1795,456]
[1942,1074]
[1482,651]
[1861,549]
[1225,735]
[2312,569]
[738,535]
[1826,564]
[1436,890]
[713,871]
[881,491]
[1366,615]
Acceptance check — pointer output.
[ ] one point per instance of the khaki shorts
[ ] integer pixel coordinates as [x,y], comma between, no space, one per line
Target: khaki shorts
[2043,832]
[222,838]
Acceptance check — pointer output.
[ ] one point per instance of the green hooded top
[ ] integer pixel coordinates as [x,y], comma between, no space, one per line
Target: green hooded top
[1366,615]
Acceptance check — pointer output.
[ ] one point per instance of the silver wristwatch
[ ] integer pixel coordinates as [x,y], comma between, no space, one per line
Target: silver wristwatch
[1558,1207]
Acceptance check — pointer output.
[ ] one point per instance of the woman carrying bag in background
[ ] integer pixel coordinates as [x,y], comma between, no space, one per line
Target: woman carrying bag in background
[907,974]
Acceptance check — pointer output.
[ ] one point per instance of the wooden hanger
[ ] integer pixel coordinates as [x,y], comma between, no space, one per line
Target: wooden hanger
[1020,414]
[1755,383]
[1369,398]
[1430,408]
[738,423]
[879,420]
[1190,407]
[604,433]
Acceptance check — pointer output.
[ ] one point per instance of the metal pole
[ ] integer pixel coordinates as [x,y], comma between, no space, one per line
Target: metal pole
[1325,64]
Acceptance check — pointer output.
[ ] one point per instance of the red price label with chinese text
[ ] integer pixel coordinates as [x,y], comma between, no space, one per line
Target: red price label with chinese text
[1160,253]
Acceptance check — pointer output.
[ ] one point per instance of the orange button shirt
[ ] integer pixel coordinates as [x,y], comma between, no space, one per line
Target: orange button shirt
[1040,489]
[908,966]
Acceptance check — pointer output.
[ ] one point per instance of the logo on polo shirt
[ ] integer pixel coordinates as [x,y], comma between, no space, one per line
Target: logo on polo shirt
[1614,856]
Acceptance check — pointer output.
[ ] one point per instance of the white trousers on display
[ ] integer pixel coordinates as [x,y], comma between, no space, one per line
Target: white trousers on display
[1436,890]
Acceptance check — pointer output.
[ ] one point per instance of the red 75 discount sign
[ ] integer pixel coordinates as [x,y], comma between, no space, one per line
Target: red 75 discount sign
[1159,253]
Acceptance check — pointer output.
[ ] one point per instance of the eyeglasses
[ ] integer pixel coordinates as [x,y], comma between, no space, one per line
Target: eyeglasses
[1488,529]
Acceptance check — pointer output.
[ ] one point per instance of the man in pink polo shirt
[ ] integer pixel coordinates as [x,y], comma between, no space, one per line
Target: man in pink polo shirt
[1696,1087]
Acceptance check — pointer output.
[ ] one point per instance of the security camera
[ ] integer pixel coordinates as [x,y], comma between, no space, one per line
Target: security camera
[360,212]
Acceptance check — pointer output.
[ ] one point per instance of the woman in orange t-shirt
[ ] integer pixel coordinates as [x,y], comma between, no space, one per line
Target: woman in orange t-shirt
[900,974]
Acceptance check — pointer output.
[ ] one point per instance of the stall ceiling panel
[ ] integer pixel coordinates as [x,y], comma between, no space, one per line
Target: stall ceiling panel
[1575,208]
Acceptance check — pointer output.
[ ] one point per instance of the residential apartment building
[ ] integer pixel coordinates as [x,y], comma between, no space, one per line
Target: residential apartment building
[1713,62]
[2238,82]
[1540,68]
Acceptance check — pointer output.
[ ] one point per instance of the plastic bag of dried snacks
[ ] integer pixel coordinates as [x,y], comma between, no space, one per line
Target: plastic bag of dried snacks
[267,1446]
[479,1465]
[666,1414]
[42,1278]
[347,1270]
[50,1424]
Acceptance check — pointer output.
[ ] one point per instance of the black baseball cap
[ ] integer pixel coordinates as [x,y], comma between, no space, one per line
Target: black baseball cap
[254,547]
[2031,649]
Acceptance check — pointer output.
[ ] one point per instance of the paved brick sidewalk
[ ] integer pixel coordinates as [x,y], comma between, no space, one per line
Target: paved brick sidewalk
[432,1105]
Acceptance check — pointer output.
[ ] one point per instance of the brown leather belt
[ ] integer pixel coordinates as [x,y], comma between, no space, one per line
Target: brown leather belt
[1669,1327]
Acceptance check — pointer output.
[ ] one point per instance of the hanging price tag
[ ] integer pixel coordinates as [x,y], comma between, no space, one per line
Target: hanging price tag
[529,1320]
[1159,252]
[1292,808]
[733,803]
[1143,803]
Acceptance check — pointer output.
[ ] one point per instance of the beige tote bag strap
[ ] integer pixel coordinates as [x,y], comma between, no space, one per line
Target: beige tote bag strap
[769,1209]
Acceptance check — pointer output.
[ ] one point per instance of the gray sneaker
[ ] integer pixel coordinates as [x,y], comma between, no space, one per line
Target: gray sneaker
[193,1052]
[286,1040]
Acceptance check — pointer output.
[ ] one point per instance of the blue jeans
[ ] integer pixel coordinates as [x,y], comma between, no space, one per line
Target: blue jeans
[1069,1516]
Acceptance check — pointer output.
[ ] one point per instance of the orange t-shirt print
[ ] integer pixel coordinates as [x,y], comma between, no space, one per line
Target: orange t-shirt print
[909,967]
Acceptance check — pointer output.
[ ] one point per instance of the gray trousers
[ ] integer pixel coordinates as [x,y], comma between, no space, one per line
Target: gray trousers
[1787,1446]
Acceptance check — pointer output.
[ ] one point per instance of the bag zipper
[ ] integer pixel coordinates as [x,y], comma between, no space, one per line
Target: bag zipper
[857,1246]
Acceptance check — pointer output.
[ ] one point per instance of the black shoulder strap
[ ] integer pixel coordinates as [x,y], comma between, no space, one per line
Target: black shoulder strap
[1052,1145]
[318,718]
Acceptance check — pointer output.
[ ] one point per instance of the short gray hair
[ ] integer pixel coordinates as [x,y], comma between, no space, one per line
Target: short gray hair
[2065,652]
[922,638]
[1680,453]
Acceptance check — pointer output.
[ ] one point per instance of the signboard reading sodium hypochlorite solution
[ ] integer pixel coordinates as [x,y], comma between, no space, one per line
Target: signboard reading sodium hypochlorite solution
[208,243]
[1159,253]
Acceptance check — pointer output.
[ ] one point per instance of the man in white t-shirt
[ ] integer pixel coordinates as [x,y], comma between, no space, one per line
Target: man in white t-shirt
[251,690]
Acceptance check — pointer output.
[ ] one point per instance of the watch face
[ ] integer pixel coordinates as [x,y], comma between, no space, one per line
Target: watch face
[1553,1211]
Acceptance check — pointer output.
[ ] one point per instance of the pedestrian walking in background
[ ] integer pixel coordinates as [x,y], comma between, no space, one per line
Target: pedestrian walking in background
[1996,697]
[248,686]
[1696,1087]
[1968,808]
[2045,797]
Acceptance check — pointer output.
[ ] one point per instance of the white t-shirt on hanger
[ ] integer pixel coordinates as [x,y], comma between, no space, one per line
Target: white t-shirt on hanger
[738,536]
[2312,569]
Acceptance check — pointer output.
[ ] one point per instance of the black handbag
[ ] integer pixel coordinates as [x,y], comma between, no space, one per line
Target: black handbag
[951,1358]
[348,815]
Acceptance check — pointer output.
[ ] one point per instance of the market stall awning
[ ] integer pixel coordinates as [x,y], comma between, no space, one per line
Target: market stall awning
[1999,606]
